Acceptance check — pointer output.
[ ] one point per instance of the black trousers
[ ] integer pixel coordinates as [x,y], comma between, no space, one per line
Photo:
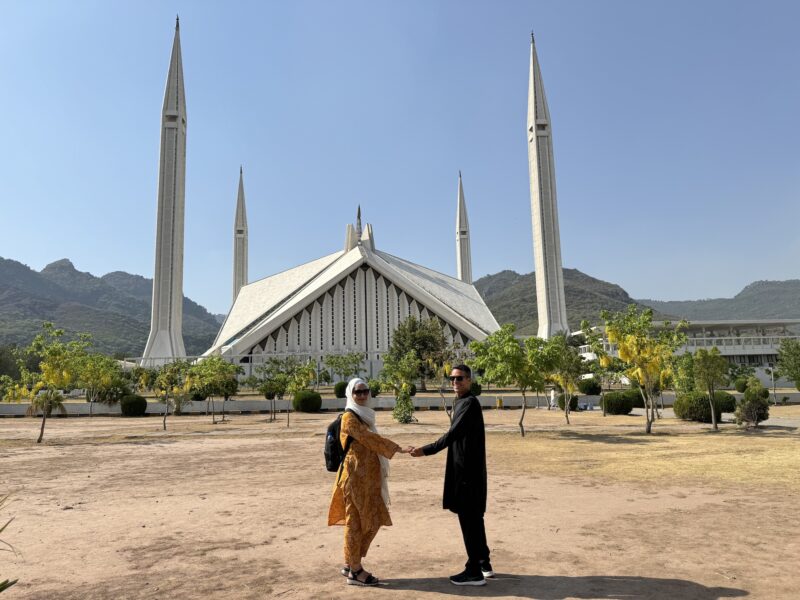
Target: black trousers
[474,532]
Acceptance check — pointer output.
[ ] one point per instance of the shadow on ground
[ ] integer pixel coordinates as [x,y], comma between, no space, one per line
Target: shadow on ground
[544,587]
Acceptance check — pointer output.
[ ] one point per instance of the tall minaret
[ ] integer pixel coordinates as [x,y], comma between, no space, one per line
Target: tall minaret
[240,241]
[463,252]
[166,338]
[552,308]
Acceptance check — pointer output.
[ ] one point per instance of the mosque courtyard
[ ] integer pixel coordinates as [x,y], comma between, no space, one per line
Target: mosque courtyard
[116,508]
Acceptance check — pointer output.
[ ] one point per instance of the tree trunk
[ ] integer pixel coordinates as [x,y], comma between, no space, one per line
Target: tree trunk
[522,416]
[647,416]
[213,414]
[567,399]
[272,410]
[41,431]
[166,410]
[713,412]
[224,398]
[444,406]
[603,401]
[287,413]
[537,399]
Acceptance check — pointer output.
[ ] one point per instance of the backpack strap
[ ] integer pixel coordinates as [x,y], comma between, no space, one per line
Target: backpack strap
[347,444]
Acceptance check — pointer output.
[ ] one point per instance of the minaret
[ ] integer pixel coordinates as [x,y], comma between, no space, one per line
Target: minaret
[463,252]
[552,309]
[166,338]
[358,223]
[240,241]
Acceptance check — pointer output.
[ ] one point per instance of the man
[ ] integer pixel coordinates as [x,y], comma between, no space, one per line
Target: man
[465,476]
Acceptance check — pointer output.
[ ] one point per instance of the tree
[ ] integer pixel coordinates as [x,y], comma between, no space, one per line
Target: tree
[710,371]
[506,361]
[214,376]
[102,378]
[57,363]
[425,338]
[289,375]
[645,352]
[172,387]
[564,366]
[789,361]
[345,365]
[683,379]
[400,374]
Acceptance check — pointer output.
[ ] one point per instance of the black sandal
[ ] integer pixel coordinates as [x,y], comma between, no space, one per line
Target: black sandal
[353,579]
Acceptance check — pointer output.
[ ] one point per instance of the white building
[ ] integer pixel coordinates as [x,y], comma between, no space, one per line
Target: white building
[349,301]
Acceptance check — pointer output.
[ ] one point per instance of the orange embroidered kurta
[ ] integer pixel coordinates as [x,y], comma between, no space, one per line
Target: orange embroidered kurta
[361,476]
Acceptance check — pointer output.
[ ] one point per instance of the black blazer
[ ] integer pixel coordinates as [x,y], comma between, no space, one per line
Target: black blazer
[465,473]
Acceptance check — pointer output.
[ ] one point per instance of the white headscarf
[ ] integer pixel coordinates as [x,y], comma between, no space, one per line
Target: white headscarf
[367,415]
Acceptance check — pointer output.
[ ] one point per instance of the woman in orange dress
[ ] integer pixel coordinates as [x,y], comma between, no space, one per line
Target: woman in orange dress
[360,494]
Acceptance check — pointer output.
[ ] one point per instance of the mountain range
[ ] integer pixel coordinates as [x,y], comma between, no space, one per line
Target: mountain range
[115,308]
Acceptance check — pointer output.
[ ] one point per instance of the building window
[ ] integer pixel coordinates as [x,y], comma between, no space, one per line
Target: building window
[355,316]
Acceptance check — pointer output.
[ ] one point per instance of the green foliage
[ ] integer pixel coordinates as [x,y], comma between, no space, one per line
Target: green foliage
[425,339]
[344,366]
[412,389]
[573,402]
[635,397]
[725,401]
[374,387]
[740,371]
[475,389]
[789,361]
[683,373]
[282,376]
[506,361]
[340,389]
[590,387]
[751,410]
[324,376]
[740,384]
[617,403]
[403,411]
[694,406]
[133,405]
[307,401]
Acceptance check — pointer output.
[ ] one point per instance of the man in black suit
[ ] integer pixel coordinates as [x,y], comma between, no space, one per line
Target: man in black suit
[465,476]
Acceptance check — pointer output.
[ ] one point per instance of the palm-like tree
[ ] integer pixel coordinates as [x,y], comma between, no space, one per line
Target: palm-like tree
[46,401]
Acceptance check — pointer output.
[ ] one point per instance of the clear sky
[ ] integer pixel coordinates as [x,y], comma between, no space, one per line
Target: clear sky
[676,131]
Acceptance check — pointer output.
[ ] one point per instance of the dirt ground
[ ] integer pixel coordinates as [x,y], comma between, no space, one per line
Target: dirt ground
[113,508]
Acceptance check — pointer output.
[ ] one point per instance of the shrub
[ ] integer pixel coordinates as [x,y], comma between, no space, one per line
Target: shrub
[617,403]
[693,406]
[307,401]
[764,392]
[635,396]
[133,405]
[740,385]
[412,390]
[784,399]
[752,410]
[573,402]
[590,387]
[403,411]
[725,401]
[374,387]
[475,389]
[198,396]
[340,389]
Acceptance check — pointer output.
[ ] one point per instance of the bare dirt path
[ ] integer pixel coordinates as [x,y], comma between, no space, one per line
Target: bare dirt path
[115,508]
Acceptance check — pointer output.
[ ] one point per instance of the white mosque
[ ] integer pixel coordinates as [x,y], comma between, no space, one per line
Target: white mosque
[353,299]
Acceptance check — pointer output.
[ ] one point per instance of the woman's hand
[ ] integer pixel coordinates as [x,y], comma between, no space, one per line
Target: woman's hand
[407,450]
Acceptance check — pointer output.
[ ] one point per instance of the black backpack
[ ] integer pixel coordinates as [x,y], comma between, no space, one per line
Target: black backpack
[334,453]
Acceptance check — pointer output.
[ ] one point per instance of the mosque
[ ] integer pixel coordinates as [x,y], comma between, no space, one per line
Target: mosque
[353,299]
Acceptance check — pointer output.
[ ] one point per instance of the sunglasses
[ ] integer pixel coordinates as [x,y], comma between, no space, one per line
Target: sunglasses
[456,378]
[360,392]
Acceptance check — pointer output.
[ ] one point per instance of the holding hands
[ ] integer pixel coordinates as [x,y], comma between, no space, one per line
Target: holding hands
[412,451]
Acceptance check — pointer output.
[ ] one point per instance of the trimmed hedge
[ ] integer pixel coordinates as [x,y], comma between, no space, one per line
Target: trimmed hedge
[340,389]
[740,385]
[475,389]
[590,387]
[413,390]
[573,402]
[307,401]
[725,401]
[693,406]
[617,403]
[374,388]
[133,405]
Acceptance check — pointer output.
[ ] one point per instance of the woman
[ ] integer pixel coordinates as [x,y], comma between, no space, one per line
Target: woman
[360,494]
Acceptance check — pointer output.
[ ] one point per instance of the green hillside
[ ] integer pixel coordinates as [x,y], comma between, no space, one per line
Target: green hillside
[114,308]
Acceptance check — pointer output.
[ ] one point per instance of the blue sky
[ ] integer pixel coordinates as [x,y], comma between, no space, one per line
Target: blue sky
[676,131]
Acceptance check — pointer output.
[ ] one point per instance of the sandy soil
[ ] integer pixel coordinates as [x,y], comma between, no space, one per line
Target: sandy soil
[115,508]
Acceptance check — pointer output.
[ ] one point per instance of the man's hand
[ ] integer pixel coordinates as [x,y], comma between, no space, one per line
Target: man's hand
[417,452]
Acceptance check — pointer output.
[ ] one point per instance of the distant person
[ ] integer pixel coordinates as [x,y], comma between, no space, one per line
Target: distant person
[361,494]
[465,476]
